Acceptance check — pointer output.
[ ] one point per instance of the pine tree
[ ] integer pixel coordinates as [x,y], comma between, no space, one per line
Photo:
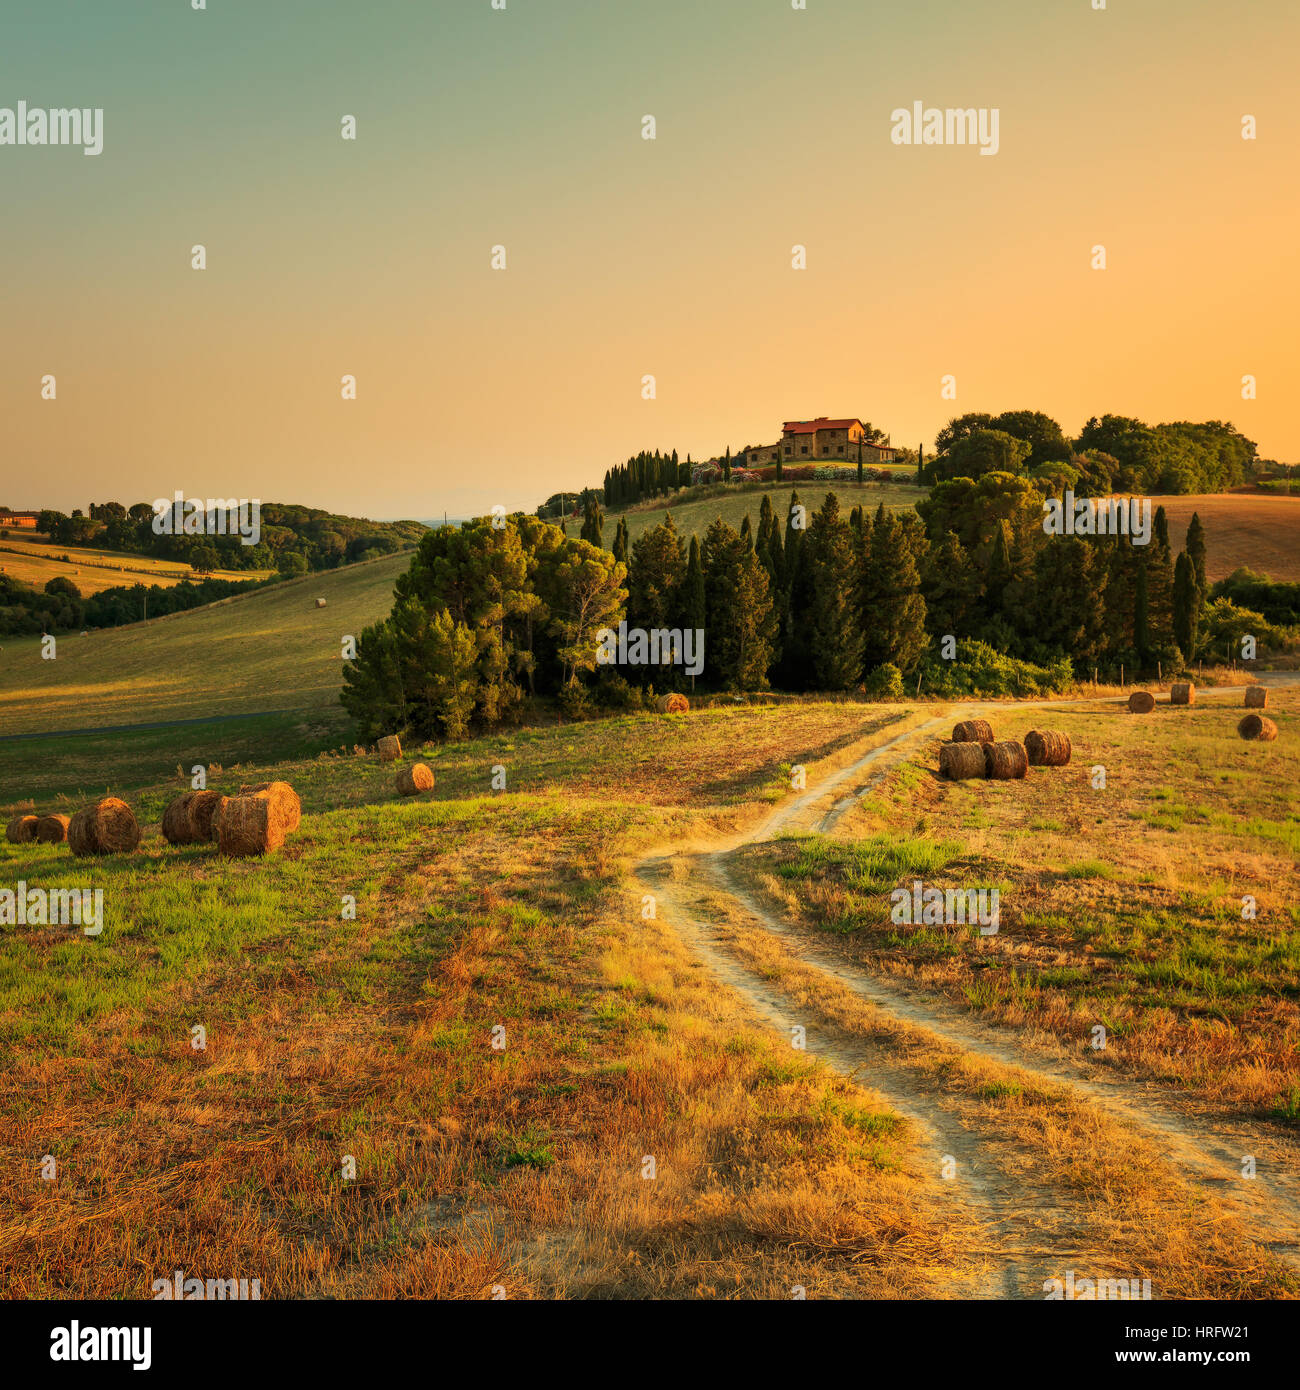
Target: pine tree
[950,585]
[655,576]
[1141,629]
[692,607]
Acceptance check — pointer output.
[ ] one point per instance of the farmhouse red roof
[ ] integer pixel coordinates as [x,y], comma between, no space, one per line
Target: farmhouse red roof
[821,423]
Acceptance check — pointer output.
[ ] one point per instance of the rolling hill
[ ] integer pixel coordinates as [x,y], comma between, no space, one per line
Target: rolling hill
[269,650]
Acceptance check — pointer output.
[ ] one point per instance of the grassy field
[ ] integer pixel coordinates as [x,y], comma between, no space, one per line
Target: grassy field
[694,518]
[37,561]
[524,1168]
[1121,906]
[270,650]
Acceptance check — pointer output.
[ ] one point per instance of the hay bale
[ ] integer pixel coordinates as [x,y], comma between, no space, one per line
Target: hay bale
[1182,693]
[1047,748]
[258,820]
[965,759]
[1258,726]
[204,806]
[674,703]
[52,830]
[1141,702]
[320,603]
[176,827]
[285,794]
[21,830]
[107,827]
[973,731]
[1005,761]
[1256,697]
[416,778]
[389,748]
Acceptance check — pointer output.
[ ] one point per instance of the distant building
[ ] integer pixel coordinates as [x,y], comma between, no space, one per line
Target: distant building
[823,439]
[18,521]
[804,441]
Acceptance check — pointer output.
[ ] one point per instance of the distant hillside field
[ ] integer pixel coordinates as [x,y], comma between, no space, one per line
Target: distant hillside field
[270,650]
[1255,530]
[1250,529]
[696,517]
[36,561]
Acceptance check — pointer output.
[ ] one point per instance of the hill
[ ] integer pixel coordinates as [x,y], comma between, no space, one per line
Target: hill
[1251,529]
[36,562]
[732,504]
[269,650]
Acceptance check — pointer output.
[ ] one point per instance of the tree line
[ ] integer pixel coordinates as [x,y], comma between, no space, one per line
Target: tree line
[966,593]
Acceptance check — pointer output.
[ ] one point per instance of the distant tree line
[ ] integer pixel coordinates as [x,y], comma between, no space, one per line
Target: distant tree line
[294,539]
[60,607]
[1113,454]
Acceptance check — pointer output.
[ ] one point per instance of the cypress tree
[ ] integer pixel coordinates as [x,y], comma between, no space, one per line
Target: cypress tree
[859,460]
[620,540]
[1195,547]
[726,467]
[747,532]
[834,635]
[1186,606]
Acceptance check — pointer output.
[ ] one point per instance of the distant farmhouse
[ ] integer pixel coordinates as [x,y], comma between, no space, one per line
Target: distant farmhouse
[818,439]
[19,521]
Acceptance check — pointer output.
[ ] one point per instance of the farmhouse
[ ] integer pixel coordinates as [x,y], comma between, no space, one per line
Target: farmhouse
[18,521]
[805,440]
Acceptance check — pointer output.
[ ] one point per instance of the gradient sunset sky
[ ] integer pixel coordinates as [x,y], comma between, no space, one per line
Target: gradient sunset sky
[626,257]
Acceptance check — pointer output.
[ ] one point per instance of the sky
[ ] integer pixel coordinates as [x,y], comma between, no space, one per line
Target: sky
[625,257]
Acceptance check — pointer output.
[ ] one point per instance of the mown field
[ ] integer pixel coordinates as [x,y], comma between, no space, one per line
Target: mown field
[521,1168]
[270,650]
[1120,906]
[37,561]
[1253,530]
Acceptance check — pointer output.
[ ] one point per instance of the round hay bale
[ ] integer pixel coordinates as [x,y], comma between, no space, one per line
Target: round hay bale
[416,778]
[52,830]
[176,827]
[284,794]
[107,827]
[1047,748]
[973,731]
[257,821]
[958,760]
[21,830]
[1141,702]
[1005,761]
[204,806]
[320,603]
[389,748]
[1258,726]
[674,703]
[1182,693]
[1256,697]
